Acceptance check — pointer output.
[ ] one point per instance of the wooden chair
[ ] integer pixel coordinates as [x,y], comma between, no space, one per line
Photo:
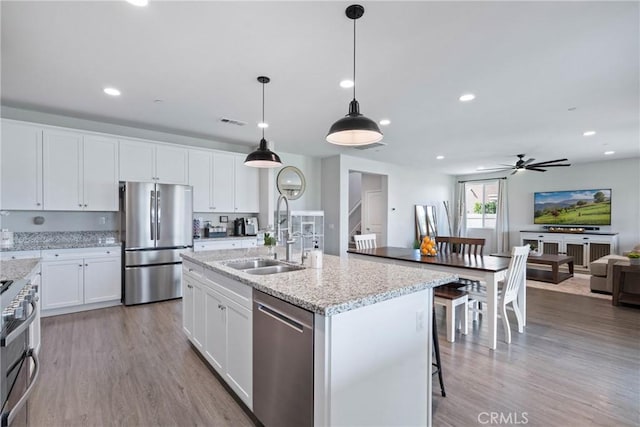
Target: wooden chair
[460,245]
[451,299]
[365,241]
[508,289]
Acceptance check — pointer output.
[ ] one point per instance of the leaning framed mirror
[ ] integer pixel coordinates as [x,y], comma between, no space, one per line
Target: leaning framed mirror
[291,182]
[426,224]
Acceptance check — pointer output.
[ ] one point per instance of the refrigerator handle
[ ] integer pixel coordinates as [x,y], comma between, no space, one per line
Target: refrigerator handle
[152,210]
[159,214]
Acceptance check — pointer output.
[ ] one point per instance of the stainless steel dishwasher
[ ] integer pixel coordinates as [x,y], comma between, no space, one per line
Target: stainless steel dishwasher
[282,362]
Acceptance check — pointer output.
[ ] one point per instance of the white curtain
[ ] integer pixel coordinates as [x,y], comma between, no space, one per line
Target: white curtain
[460,219]
[502,218]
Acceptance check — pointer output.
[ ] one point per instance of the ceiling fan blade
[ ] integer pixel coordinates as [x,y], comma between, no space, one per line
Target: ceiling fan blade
[550,166]
[537,170]
[547,162]
[496,169]
[528,161]
[515,171]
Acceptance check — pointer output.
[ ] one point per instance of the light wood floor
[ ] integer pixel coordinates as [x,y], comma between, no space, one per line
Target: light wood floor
[576,365]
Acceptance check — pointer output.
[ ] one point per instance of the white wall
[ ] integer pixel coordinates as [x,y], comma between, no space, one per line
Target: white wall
[406,188]
[622,176]
[60,221]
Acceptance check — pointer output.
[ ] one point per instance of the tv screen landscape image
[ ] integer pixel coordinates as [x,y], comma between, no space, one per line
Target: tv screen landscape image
[579,207]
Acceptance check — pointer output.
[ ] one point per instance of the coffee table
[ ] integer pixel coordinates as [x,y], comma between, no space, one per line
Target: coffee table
[555,261]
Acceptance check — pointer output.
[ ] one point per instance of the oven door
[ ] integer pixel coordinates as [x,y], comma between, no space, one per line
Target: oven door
[17,384]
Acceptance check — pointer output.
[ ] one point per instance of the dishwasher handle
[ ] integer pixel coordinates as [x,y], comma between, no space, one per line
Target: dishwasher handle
[280,317]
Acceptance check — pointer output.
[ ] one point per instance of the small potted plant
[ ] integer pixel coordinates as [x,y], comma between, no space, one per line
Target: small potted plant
[534,249]
[270,242]
[634,258]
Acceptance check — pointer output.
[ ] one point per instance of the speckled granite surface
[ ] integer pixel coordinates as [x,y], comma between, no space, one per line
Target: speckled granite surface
[17,269]
[62,240]
[343,284]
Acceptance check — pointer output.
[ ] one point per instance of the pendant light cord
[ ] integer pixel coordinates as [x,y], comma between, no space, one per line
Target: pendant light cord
[354,58]
[263,110]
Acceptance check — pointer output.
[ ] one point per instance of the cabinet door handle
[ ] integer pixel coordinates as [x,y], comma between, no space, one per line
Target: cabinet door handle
[38,204]
[80,204]
[85,206]
[189,286]
[86,265]
[56,255]
[79,265]
[108,252]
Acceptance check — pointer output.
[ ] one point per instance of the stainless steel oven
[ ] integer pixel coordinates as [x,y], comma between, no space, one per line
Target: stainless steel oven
[19,366]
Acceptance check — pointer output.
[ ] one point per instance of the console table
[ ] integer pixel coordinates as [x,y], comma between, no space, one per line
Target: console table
[624,278]
[555,261]
[583,247]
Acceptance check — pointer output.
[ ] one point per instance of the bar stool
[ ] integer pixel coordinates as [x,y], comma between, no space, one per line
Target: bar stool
[436,347]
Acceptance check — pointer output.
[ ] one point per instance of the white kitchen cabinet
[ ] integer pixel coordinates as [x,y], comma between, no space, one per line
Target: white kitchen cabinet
[223,182]
[147,162]
[62,283]
[21,168]
[200,179]
[79,171]
[247,182]
[227,326]
[214,321]
[80,279]
[102,279]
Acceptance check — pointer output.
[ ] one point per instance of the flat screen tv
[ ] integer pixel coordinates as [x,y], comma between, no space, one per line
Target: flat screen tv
[578,207]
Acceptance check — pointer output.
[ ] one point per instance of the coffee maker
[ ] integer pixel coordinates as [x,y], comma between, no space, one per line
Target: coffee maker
[238,227]
[251,226]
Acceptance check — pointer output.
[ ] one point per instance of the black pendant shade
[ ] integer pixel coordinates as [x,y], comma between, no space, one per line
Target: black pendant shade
[354,129]
[263,157]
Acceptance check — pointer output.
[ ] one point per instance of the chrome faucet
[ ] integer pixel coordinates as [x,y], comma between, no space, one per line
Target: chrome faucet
[288,240]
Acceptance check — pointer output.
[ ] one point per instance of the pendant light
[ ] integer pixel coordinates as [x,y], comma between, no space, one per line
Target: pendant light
[263,157]
[354,129]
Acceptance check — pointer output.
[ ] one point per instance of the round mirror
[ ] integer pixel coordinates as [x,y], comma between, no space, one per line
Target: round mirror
[291,182]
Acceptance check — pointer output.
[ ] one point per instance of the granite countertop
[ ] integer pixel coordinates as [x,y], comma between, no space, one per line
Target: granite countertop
[35,241]
[18,269]
[342,284]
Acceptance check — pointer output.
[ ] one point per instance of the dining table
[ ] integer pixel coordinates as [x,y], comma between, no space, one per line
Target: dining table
[486,268]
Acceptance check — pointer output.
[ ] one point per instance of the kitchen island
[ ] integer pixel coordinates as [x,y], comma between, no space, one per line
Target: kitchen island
[372,332]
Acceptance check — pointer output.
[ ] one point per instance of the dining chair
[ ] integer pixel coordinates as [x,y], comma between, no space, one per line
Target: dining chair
[365,241]
[508,289]
[460,245]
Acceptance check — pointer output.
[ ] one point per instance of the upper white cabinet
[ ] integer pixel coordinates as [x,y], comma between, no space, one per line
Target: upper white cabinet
[21,166]
[221,182]
[80,172]
[247,186]
[147,161]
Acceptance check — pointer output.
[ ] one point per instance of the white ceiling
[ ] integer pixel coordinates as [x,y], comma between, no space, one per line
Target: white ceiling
[527,63]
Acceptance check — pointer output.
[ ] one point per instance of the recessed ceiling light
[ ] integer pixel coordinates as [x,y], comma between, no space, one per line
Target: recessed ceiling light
[385,122]
[440,157]
[140,3]
[467,97]
[589,133]
[608,153]
[111,91]
[346,84]
[263,125]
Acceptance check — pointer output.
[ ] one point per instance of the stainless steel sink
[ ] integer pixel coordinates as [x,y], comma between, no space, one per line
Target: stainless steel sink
[273,269]
[255,263]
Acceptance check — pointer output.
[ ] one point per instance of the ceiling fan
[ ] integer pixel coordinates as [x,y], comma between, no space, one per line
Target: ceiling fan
[529,165]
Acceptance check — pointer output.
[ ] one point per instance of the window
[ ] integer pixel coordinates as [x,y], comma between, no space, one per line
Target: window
[481,199]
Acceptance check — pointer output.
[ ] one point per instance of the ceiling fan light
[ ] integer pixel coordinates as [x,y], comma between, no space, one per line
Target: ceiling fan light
[263,157]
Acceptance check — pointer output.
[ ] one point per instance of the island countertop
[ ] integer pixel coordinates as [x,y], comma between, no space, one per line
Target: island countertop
[17,269]
[343,284]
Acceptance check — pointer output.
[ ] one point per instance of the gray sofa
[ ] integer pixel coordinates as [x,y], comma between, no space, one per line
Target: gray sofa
[602,271]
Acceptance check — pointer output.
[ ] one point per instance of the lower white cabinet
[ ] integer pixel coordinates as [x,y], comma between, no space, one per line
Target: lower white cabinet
[217,319]
[76,278]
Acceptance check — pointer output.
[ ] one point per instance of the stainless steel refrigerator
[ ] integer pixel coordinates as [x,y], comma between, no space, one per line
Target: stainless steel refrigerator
[156,228]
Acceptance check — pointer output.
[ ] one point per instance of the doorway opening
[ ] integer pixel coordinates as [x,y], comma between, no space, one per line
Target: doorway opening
[367,206]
